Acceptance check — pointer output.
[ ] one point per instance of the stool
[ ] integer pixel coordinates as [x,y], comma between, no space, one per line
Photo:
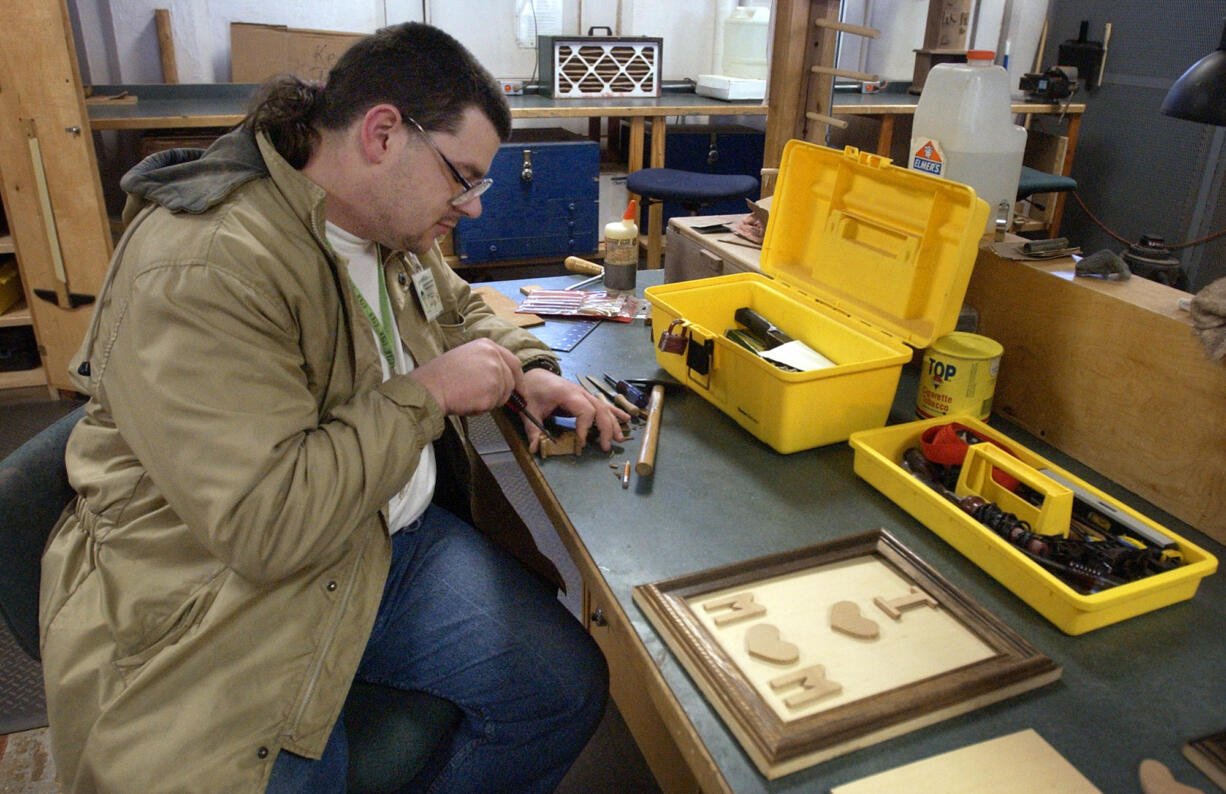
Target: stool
[691,189]
[1032,181]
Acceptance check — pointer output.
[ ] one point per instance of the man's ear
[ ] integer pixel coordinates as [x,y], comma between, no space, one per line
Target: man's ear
[378,131]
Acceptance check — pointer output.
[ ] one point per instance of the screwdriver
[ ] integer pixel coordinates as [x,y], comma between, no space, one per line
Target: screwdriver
[517,405]
[631,393]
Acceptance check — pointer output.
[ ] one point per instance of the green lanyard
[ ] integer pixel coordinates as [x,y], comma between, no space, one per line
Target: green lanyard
[382,329]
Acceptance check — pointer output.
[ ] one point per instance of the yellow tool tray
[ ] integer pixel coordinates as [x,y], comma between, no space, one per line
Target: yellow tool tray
[862,261]
[878,454]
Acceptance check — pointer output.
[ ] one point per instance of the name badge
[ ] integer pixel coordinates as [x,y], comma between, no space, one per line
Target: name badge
[427,294]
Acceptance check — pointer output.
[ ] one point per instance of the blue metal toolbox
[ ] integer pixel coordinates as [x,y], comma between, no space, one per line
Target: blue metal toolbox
[543,203]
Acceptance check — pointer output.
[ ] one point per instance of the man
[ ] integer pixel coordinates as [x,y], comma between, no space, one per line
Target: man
[261,513]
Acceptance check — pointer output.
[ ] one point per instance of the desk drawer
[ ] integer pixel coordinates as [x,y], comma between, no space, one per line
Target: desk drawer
[631,691]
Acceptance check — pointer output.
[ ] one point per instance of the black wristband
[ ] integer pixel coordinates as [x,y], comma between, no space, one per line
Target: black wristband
[543,362]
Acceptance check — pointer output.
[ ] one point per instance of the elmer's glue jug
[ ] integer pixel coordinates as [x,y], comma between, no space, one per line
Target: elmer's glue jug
[621,251]
[964,131]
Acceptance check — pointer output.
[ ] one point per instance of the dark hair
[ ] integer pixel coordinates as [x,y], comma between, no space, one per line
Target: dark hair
[422,71]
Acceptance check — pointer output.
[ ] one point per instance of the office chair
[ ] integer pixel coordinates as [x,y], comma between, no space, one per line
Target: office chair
[391,732]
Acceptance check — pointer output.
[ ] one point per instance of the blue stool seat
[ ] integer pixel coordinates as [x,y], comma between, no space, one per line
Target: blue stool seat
[689,188]
[1034,181]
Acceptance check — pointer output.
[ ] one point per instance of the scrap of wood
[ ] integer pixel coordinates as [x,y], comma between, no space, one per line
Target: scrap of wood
[505,307]
[122,98]
[564,443]
[1018,762]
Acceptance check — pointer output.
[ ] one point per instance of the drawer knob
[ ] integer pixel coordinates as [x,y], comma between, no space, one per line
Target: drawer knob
[525,173]
[598,618]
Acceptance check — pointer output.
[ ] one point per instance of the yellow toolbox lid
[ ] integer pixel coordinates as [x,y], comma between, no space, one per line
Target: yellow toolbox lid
[889,246]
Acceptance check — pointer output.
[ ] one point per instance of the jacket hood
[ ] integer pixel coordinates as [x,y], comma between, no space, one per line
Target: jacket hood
[193,180]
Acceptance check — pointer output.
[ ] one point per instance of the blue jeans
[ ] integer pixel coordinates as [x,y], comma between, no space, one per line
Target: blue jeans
[462,620]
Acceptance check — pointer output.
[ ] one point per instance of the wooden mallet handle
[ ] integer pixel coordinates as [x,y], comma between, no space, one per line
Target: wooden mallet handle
[651,435]
[576,265]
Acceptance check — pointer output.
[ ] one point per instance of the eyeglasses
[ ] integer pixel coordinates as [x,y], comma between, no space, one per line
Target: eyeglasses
[471,189]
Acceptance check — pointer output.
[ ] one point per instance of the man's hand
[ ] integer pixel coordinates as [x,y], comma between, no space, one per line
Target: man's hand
[473,378]
[546,392]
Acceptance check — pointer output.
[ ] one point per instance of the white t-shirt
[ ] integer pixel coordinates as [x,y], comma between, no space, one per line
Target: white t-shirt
[412,500]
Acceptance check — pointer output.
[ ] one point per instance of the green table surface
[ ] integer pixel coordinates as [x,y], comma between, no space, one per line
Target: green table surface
[1134,690]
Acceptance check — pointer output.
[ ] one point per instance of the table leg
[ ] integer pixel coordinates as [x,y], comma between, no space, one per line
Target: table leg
[655,237]
[885,136]
[1074,128]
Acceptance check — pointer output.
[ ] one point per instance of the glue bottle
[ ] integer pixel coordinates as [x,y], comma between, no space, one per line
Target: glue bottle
[621,250]
[963,131]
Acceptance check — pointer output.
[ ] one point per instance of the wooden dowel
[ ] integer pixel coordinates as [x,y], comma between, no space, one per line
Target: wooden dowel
[651,434]
[848,73]
[166,45]
[845,27]
[824,119]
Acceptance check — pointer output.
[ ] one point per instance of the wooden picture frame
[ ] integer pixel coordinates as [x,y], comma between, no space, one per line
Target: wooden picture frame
[996,663]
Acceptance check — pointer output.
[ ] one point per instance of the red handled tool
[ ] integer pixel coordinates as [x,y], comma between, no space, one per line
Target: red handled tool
[517,405]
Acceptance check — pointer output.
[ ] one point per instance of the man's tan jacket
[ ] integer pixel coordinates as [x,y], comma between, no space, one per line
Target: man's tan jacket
[207,598]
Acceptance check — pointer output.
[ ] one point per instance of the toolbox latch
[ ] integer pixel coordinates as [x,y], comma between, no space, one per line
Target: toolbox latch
[698,355]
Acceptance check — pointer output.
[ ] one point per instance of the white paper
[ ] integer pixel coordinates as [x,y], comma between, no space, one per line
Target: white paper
[798,355]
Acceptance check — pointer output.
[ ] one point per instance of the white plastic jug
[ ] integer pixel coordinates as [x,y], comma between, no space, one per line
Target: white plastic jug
[746,39]
[964,131]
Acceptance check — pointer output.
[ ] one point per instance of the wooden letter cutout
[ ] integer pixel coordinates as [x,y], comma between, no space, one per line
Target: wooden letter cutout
[812,680]
[764,642]
[894,608]
[742,605]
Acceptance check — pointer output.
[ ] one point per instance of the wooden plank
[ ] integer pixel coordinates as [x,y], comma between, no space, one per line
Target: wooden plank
[1018,763]
[788,62]
[42,85]
[1112,374]
[166,45]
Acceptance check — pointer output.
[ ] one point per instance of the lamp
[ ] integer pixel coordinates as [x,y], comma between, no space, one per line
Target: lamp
[1200,92]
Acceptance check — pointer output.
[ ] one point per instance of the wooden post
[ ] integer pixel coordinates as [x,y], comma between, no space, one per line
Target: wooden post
[166,45]
[41,95]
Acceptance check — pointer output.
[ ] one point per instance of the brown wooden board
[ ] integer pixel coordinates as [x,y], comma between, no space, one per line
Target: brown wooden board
[1110,373]
[943,655]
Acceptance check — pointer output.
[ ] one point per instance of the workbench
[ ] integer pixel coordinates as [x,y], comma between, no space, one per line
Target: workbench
[1134,690]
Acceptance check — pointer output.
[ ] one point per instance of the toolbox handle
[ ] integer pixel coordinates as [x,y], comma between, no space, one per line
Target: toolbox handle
[1052,518]
[592,30]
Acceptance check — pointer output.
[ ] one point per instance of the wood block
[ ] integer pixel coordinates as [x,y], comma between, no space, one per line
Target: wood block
[505,308]
[1111,373]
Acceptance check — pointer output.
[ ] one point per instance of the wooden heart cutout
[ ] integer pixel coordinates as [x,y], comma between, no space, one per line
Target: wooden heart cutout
[1156,778]
[845,616]
[764,642]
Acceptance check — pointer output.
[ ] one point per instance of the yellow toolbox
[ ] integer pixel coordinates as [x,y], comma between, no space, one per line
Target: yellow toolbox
[878,459]
[862,262]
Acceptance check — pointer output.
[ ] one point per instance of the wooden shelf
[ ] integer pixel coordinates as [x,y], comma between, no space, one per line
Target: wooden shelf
[17,315]
[6,244]
[22,378]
